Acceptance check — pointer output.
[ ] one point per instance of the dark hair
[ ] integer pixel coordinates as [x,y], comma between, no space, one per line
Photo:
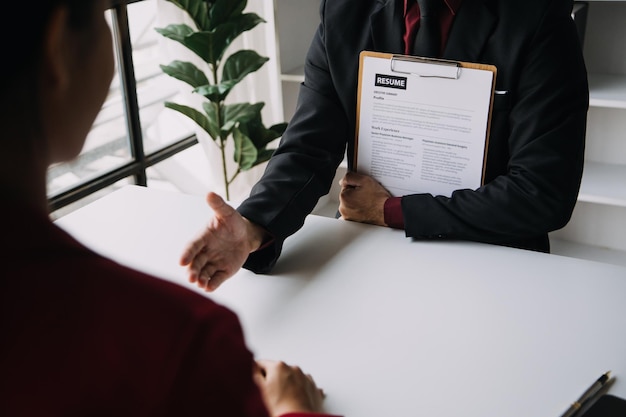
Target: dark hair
[22,52]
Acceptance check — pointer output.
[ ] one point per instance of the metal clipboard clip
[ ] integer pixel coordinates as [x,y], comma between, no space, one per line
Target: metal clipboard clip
[426,67]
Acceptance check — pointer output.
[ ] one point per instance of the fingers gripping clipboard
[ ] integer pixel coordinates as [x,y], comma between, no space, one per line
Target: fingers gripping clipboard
[423,124]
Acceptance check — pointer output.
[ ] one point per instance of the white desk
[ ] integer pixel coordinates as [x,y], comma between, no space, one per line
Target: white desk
[389,326]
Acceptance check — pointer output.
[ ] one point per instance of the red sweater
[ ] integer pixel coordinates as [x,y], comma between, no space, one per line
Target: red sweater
[82,335]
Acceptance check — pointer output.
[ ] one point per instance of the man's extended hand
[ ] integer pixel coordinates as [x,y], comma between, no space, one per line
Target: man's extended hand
[223,247]
[362,199]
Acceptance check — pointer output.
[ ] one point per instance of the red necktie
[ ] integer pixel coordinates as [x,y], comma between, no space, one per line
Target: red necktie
[411,25]
[428,39]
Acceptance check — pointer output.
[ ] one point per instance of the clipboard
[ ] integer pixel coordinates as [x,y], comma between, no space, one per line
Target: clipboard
[423,124]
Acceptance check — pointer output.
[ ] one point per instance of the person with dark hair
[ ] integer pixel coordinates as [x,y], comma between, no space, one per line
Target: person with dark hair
[535,148]
[81,334]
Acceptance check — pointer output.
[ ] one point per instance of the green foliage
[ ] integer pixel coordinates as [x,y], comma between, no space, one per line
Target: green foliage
[217,24]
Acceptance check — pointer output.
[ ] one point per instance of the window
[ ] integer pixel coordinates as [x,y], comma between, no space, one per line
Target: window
[133,131]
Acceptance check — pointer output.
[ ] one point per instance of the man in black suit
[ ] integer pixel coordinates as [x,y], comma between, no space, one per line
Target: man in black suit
[536,145]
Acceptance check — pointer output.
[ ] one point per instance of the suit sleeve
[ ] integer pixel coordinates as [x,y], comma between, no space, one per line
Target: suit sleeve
[303,167]
[539,186]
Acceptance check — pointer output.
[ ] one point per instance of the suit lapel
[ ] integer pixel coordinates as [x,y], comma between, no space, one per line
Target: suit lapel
[387,26]
[471,28]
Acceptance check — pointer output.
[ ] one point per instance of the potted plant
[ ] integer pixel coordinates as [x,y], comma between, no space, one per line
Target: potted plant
[217,24]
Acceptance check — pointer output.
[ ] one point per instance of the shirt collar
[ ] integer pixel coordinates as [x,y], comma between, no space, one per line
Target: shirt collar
[453,5]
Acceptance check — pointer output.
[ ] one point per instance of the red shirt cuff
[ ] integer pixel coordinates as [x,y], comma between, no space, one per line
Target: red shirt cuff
[268,241]
[393,213]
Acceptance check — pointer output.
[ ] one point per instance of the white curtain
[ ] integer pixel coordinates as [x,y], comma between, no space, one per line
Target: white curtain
[264,85]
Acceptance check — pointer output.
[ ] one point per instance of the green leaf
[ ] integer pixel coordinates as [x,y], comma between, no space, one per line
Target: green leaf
[277,130]
[197,10]
[210,46]
[237,66]
[233,114]
[197,117]
[262,136]
[256,128]
[245,154]
[264,156]
[222,10]
[243,23]
[186,72]
[240,64]
[216,92]
[176,32]
[211,111]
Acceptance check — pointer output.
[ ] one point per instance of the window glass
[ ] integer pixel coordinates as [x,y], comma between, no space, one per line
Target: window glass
[106,148]
[160,126]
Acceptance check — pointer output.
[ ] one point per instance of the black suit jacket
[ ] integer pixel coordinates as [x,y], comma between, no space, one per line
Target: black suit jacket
[536,146]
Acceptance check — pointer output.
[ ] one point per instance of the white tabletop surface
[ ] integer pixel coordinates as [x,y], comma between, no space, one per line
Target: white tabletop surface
[390,326]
